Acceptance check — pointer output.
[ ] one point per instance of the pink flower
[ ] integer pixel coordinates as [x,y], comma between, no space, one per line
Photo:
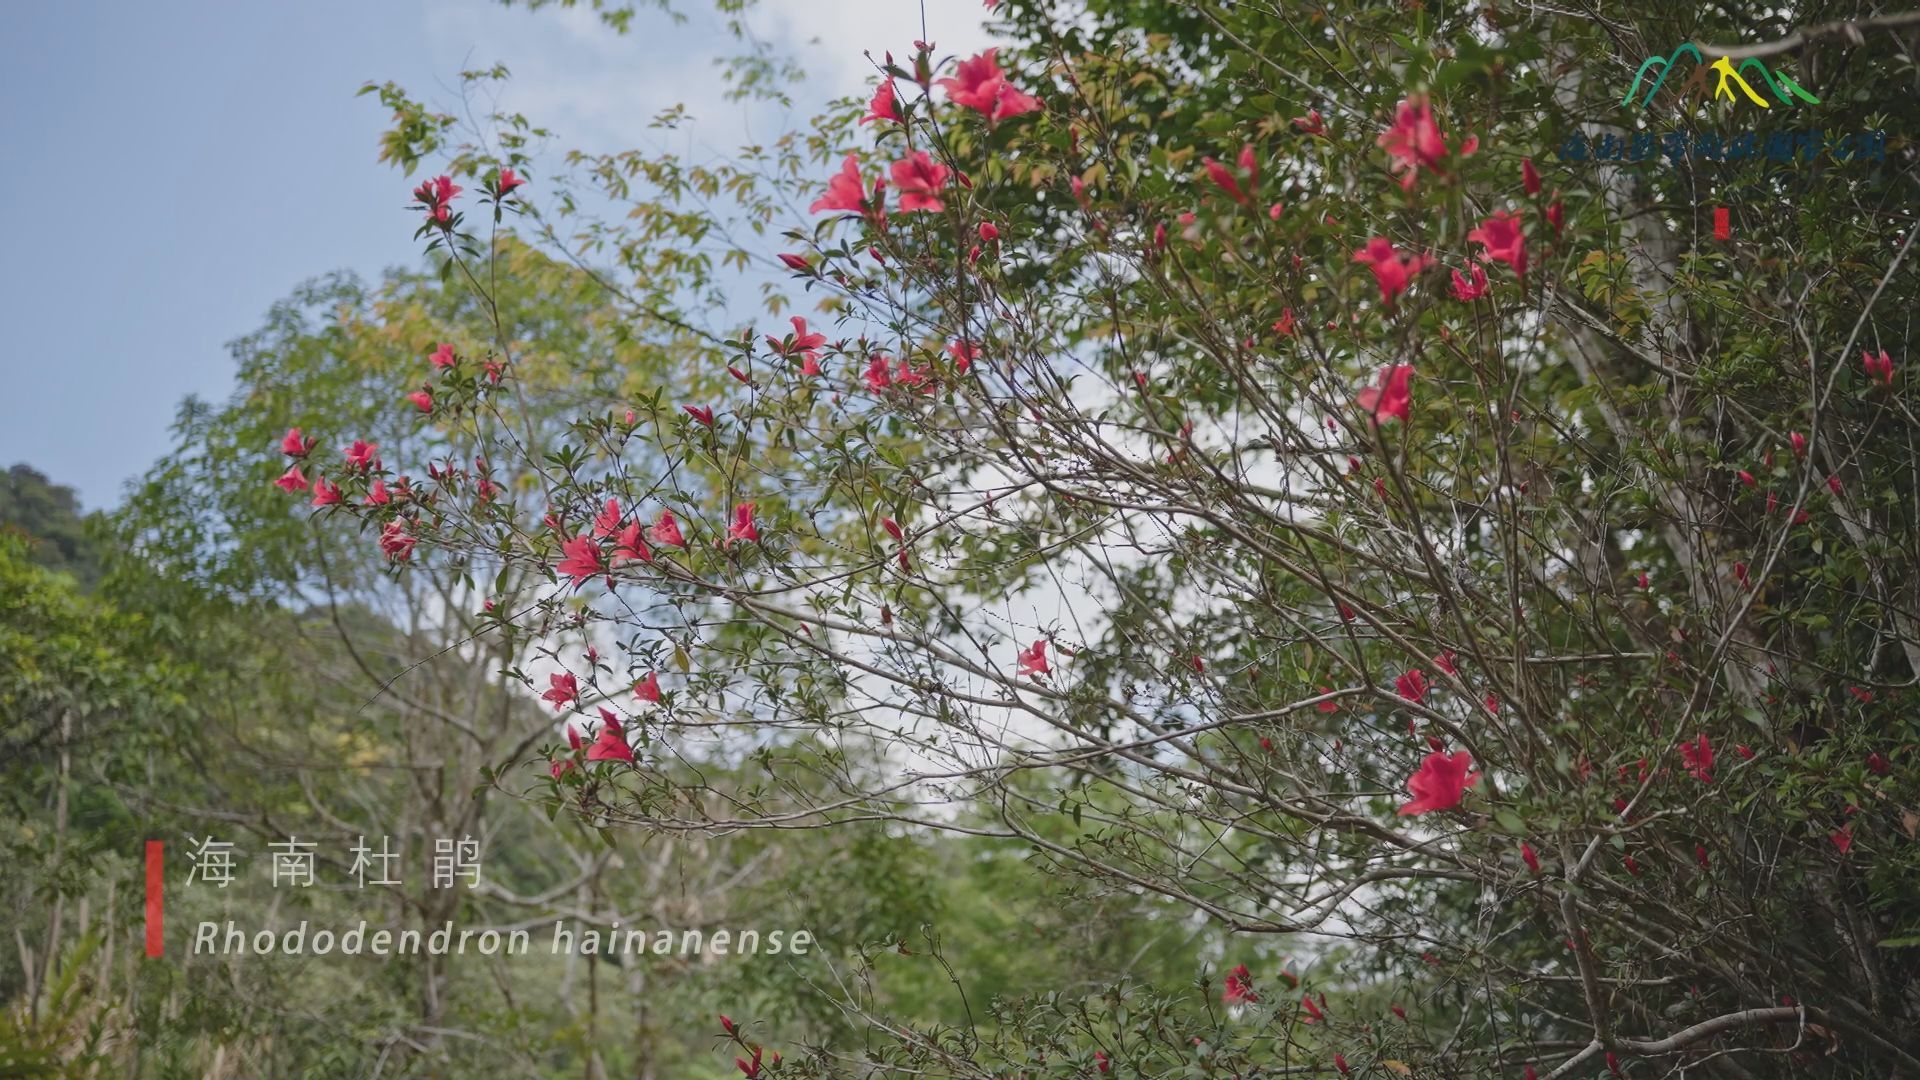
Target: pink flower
[1412,685]
[1799,443]
[1315,1015]
[667,531]
[648,689]
[562,689]
[435,196]
[395,544]
[1440,782]
[1393,398]
[607,522]
[325,492]
[980,85]
[742,526]
[1445,662]
[1474,290]
[1033,658]
[1310,124]
[919,179]
[377,495]
[883,106]
[879,375]
[1842,838]
[1698,756]
[508,181]
[700,413]
[443,357]
[582,560]
[293,445]
[611,743]
[1393,271]
[292,480]
[1501,236]
[796,262]
[1414,141]
[360,455]
[1529,176]
[422,399]
[845,191]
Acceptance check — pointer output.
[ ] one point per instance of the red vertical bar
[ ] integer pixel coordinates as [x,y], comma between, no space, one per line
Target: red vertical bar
[1722,228]
[155,942]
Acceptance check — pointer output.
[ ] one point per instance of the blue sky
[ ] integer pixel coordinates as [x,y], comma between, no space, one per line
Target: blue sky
[173,169]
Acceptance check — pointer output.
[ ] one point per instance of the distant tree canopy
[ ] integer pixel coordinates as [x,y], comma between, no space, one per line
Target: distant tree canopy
[48,516]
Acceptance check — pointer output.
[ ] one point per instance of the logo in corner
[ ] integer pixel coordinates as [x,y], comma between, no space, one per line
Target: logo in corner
[1783,88]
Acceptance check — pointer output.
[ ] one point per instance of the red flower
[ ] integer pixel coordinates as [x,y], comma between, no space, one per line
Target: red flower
[1527,856]
[648,689]
[582,560]
[293,445]
[360,455]
[1412,685]
[1414,141]
[292,480]
[1392,398]
[443,357]
[1880,368]
[964,353]
[1501,236]
[1310,124]
[742,527]
[377,494]
[1393,271]
[1314,1015]
[1440,782]
[562,689]
[980,85]
[700,413]
[1745,752]
[559,768]
[325,492]
[1224,178]
[422,399]
[628,546]
[1843,838]
[1799,442]
[1284,324]
[1556,216]
[508,181]
[611,743]
[879,374]
[1100,1060]
[919,179]
[667,531]
[845,191]
[1529,176]
[1033,658]
[727,1025]
[1239,987]
[1340,1062]
[795,262]
[883,106]
[1445,662]
[1698,756]
[1470,290]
